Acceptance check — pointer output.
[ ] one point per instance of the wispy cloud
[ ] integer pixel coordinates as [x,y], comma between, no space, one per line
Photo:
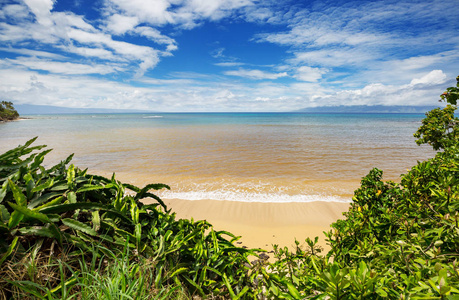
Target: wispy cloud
[255,74]
[61,67]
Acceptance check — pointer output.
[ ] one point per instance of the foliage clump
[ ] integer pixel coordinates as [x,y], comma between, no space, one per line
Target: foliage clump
[398,240]
[7,111]
[63,217]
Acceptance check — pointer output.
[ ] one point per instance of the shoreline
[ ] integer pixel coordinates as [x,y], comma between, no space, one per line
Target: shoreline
[262,224]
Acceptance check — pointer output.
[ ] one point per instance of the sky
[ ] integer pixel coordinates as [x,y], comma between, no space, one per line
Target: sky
[226,55]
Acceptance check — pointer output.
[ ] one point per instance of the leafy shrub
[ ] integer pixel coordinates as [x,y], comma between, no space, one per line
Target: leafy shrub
[66,212]
[397,241]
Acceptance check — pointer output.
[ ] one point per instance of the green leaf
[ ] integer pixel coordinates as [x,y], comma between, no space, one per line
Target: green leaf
[70,175]
[30,213]
[49,183]
[43,198]
[41,231]
[4,214]
[9,250]
[89,187]
[18,195]
[77,225]
[61,208]
[178,271]
[56,201]
[15,218]
[72,197]
[3,192]
[293,291]
[95,220]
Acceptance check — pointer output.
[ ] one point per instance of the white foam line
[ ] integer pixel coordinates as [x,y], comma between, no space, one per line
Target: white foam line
[251,197]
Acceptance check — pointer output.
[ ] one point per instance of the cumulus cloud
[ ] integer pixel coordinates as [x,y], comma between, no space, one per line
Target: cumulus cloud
[119,24]
[420,91]
[309,74]
[72,34]
[433,78]
[185,13]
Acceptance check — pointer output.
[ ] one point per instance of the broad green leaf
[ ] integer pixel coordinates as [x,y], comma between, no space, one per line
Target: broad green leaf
[89,187]
[39,159]
[49,183]
[72,197]
[17,194]
[43,198]
[77,225]
[56,201]
[40,231]
[14,220]
[95,220]
[293,291]
[30,213]
[70,175]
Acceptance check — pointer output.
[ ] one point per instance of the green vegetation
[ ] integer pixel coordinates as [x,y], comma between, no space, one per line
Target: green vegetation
[7,111]
[68,234]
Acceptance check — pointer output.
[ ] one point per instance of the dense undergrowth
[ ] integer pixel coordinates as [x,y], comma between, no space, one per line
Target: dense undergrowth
[68,234]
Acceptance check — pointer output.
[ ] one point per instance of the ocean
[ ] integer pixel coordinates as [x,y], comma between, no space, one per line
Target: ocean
[254,157]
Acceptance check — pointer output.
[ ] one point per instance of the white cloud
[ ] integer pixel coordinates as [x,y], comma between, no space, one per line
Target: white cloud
[309,74]
[32,52]
[185,13]
[70,33]
[61,67]
[229,64]
[421,91]
[333,57]
[156,36]
[14,11]
[255,74]
[119,24]
[42,10]
[433,78]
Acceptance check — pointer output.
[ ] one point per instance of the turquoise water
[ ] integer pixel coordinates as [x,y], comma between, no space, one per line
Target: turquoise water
[271,157]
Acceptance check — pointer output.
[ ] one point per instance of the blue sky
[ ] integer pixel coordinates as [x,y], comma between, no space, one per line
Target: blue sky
[226,55]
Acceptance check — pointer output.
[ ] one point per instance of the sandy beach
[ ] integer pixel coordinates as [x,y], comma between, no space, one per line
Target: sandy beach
[263,224]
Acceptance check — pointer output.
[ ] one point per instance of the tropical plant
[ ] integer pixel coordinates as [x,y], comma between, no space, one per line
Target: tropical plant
[64,210]
[398,240]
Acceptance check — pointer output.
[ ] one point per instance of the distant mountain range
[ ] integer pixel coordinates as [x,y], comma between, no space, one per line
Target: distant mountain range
[30,109]
[368,109]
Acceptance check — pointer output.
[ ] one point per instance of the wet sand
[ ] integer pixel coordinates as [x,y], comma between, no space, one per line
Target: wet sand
[263,224]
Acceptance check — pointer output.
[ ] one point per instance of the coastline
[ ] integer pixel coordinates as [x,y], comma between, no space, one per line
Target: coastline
[262,224]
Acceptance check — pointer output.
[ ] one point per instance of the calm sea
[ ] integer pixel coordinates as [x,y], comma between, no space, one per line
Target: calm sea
[269,157]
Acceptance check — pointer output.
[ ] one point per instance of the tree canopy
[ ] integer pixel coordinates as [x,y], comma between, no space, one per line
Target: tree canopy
[7,111]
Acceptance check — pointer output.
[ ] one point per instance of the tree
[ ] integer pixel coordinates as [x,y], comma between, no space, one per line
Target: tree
[7,111]
[440,128]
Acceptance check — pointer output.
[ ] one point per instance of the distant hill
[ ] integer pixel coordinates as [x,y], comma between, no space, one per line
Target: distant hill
[30,109]
[402,109]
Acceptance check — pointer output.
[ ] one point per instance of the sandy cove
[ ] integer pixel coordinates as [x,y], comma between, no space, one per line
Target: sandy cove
[263,224]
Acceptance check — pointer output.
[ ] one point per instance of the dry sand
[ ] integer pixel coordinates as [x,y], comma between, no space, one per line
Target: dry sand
[263,224]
